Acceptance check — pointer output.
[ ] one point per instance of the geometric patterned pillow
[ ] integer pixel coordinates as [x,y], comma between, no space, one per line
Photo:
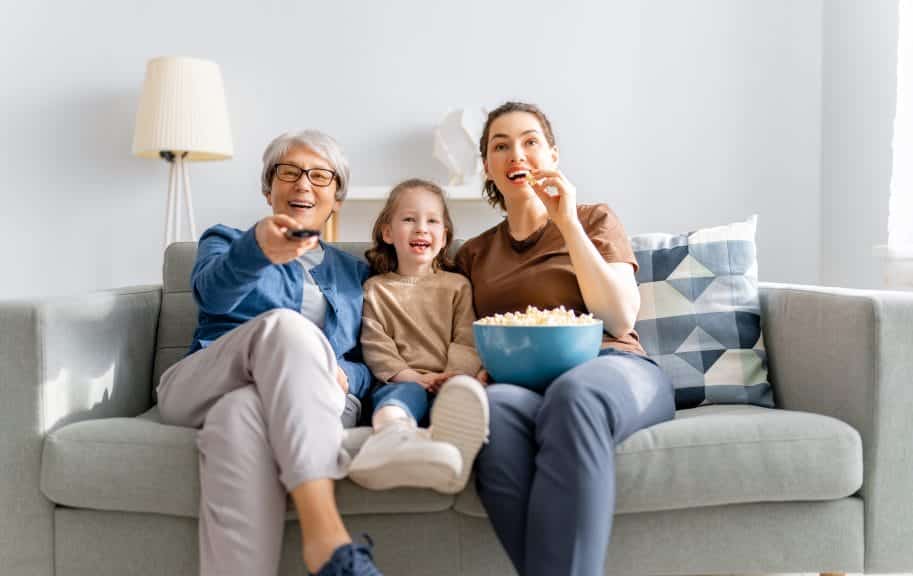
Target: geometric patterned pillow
[700,317]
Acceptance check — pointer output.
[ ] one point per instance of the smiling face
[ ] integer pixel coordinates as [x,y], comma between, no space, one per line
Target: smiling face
[308,204]
[416,230]
[517,144]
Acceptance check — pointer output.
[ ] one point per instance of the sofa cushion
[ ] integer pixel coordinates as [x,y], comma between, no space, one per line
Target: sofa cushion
[706,456]
[730,454]
[700,316]
[141,465]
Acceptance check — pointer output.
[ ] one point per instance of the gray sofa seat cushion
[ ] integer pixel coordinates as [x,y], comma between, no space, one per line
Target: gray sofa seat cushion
[141,465]
[730,454]
[707,456]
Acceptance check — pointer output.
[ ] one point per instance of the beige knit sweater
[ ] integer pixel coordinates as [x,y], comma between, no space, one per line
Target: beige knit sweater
[418,322]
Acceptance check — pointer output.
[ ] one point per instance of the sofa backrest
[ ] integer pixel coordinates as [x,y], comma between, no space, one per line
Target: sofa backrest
[178,317]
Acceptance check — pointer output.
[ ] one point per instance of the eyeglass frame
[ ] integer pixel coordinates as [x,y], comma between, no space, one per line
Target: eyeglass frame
[306,172]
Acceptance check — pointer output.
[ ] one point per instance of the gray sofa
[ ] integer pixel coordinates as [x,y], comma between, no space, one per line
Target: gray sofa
[92,484]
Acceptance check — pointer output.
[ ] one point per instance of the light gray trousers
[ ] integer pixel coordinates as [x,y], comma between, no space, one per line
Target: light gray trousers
[266,397]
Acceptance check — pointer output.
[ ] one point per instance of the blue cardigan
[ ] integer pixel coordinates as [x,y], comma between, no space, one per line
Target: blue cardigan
[233,281]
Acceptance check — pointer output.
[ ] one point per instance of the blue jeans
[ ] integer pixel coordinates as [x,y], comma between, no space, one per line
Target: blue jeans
[410,396]
[547,475]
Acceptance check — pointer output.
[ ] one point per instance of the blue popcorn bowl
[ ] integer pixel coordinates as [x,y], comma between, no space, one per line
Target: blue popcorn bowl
[533,356]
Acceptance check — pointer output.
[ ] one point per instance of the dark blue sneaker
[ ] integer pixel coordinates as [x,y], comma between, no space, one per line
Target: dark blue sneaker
[351,560]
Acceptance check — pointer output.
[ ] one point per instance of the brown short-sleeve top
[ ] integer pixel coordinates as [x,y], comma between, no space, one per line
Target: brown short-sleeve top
[507,274]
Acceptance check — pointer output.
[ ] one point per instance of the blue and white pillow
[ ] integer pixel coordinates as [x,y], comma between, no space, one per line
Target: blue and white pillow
[700,316]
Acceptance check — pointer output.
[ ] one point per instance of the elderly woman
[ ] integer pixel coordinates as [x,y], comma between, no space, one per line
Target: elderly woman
[547,476]
[269,370]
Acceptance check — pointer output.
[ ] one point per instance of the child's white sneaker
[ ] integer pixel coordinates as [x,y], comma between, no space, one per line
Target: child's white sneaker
[400,454]
[459,416]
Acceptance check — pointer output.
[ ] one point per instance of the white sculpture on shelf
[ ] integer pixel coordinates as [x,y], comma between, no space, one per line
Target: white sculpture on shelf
[456,144]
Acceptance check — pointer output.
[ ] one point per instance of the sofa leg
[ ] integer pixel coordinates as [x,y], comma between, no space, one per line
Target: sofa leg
[833,573]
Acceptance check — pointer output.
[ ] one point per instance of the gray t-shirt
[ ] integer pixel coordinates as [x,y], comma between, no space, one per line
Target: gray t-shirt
[313,302]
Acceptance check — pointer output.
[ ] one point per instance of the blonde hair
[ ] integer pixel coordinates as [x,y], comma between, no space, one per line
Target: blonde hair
[382,255]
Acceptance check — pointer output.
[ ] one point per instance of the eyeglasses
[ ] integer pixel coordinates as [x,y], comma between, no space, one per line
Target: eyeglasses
[317,176]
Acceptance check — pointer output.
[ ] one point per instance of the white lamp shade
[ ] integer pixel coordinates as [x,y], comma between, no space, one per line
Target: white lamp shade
[182,109]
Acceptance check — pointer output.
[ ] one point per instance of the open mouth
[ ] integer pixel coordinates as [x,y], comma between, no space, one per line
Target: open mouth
[518,175]
[301,205]
[419,245]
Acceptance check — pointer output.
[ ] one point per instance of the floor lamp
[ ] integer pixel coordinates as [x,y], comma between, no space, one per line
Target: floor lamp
[182,117]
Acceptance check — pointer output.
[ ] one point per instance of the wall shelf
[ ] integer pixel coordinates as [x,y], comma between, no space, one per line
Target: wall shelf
[469,193]
[379,193]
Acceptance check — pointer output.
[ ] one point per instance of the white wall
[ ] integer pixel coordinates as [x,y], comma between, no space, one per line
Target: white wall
[859,94]
[678,114]
[728,124]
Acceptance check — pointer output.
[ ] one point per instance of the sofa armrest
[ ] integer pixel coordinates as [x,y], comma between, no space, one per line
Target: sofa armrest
[61,361]
[849,354]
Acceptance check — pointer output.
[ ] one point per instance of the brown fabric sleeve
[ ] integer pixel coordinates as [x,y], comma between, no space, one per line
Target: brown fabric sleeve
[379,350]
[461,353]
[608,235]
[462,261]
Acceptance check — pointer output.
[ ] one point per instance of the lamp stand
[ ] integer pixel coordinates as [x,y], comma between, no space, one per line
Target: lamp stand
[331,228]
[178,191]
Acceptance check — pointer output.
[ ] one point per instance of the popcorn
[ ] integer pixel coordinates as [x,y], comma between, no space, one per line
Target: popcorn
[534,317]
[550,190]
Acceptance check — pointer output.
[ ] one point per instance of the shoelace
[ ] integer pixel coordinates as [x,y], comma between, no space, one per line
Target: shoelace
[364,549]
[344,563]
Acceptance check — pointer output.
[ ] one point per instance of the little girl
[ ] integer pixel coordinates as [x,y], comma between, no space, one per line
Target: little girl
[417,338]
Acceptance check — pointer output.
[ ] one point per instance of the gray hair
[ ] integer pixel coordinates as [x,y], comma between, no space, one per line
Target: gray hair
[316,141]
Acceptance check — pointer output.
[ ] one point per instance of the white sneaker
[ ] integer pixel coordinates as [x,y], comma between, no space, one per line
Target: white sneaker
[354,438]
[400,454]
[459,416]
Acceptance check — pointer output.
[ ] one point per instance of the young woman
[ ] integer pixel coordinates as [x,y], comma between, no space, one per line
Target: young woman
[547,476]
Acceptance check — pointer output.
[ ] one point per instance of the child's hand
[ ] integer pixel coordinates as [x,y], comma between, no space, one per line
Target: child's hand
[427,381]
[432,380]
[483,377]
[440,380]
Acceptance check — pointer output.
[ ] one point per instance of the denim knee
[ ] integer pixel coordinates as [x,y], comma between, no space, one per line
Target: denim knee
[410,396]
